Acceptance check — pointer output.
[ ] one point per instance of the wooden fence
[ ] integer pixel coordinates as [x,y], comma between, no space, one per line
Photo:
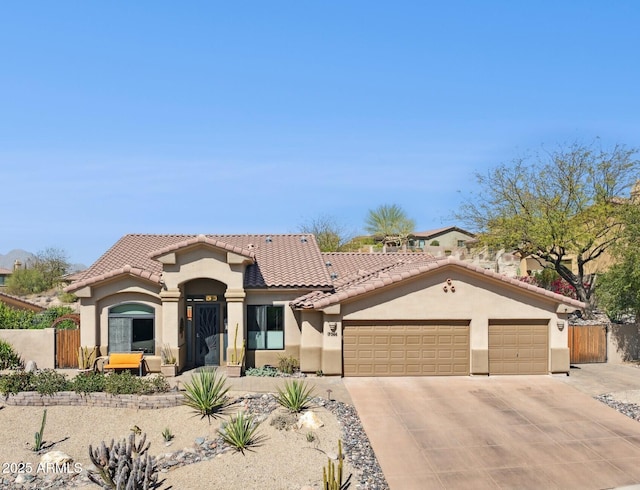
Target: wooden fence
[67,345]
[587,344]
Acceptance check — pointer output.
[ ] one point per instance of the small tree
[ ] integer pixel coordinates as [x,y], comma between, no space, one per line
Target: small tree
[40,273]
[557,205]
[390,223]
[52,264]
[330,234]
[618,289]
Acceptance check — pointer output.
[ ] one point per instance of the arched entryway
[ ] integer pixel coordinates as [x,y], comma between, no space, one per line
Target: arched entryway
[205,322]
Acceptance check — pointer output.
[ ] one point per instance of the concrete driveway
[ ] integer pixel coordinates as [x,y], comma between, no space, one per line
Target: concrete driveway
[521,432]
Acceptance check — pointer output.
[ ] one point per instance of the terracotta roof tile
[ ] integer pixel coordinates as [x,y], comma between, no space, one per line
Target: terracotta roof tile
[17,302]
[439,231]
[288,261]
[5,271]
[410,268]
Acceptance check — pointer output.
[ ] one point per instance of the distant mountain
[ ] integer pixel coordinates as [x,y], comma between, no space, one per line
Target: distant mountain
[7,261]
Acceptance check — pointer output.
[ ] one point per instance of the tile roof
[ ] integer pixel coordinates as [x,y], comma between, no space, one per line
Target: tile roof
[356,285]
[23,304]
[4,271]
[439,231]
[287,261]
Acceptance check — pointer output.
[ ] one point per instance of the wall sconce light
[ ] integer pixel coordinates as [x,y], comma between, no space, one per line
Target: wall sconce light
[333,326]
[560,325]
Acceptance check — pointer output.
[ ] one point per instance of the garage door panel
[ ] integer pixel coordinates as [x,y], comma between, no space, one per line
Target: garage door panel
[406,350]
[518,349]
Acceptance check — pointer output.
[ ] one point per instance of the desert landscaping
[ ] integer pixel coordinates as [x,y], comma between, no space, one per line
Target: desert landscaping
[283,458]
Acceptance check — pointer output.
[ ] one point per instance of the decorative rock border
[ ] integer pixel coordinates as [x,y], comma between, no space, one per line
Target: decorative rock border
[98,399]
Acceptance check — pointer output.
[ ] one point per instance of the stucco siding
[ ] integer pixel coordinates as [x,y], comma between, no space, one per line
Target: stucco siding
[203,263]
[33,345]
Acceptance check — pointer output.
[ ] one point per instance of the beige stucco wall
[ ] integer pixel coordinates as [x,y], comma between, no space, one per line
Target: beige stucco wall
[315,337]
[623,343]
[94,310]
[33,345]
[476,298]
[203,262]
[292,327]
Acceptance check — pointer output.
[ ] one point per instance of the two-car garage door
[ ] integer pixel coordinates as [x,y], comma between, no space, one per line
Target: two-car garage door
[436,348]
[406,348]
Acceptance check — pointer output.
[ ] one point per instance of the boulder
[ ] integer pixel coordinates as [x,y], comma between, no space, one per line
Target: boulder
[56,457]
[309,420]
[31,367]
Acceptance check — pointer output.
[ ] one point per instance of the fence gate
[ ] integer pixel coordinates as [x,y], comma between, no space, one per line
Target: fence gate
[67,345]
[587,344]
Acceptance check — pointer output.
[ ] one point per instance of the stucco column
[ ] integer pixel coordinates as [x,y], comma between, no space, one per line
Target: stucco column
[89,326]
[332,344]
[170,318]
[235,316]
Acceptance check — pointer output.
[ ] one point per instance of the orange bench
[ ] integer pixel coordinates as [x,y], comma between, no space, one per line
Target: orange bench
[125,360]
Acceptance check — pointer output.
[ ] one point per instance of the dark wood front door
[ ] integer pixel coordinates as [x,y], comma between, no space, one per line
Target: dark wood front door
[208,335]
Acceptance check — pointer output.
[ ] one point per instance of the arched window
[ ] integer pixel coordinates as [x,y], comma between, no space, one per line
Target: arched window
[132,328]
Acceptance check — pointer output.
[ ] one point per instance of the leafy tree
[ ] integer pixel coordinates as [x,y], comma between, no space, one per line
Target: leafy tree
[26,281]
[390,223]
[53,264]
[40,274]
[618,290]
[330,235]
[554,206]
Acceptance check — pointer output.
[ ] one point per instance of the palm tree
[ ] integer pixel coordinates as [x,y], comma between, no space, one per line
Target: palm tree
[390,223]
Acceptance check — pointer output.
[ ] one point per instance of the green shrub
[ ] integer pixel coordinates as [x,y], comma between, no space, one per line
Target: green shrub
[15,382]
[9,359]
[288,365]
[240,432]
[265,371]
[206,393]
[47,317]
[14,318]
[26,281]
[295,396]
[67,297]
[88,383]
[158,384]
[167,435]
[123,383]
[49,381]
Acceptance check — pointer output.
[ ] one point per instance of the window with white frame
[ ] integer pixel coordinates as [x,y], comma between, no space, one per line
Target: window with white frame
[131,328]
[265,327]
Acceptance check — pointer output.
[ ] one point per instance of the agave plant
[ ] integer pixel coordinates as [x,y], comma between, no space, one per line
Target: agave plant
[206,393]
[240,432]
[295,396]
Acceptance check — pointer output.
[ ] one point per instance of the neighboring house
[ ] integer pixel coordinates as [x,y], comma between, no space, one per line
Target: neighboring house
[4,275]
[351,314]
[19,303]
[449,237]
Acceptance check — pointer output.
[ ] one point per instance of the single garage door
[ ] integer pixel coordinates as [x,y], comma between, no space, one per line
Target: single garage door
[519,347]
[405,348]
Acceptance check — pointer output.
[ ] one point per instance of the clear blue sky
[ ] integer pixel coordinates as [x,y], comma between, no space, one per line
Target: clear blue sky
[254,117]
